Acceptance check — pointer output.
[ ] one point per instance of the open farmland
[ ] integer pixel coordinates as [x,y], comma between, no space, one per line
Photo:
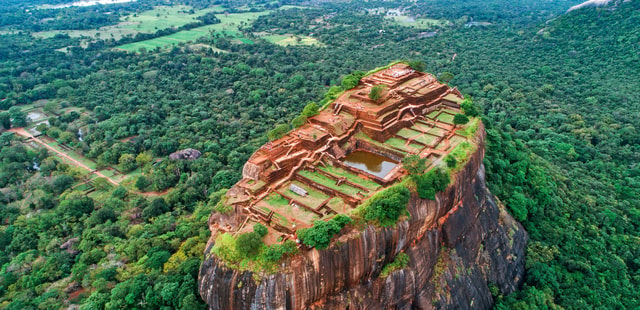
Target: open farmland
[288,39]
[419,23]
[161,17]
[229,25]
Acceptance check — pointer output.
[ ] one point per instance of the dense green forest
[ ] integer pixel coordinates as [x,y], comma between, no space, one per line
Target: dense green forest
[558,93]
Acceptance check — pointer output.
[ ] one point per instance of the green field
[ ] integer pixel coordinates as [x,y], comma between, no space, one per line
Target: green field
[337,204]
[419,23]
[161,17]
[288,39]
[313,199]
[72,108]
[107,172]
[462,151]
[408,133]
[446,118]
[455,140]
[83,187]
[437,131]
[421,127]
[339,172]
[89,163]
[229,25]
[280,219]
[433,114]
[426,139]
[323,180]
[276,200]
[470,128]
[281,206]
[400,144]
[164,17]
[29,107]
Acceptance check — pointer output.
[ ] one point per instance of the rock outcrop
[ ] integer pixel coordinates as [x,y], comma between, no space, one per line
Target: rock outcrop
[186,154]
[460,245]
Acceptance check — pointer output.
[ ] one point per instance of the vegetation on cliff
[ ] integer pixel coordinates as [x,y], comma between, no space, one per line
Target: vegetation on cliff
[320,234]
[385,207]
[247,251]
[430,183]
[400,261]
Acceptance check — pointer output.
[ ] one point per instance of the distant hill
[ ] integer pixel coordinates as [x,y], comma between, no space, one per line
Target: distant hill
[589,3]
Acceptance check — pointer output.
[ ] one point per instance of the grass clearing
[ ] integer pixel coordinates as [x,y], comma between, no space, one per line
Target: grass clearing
[28,107]
[469,129]
[276,200]
[291,40]
[255,185]
[83,187]
[337,204]
[314,198]
[462,150]
[461,153]
[364,137]
[56,145]
[427,139]
[323,180]
[107,172]
[98,195]
[133,174]
[400,144]
[339,172]
[437,131]
[408,133]
[228,26]
[281,206]
[455,140]
[445,118]
[281,219]
[419,126]
[418,23]
[415,146]
[160,17]
[433,114]
[72,108]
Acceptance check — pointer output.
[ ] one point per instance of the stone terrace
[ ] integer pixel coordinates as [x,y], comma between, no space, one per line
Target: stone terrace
[291,182]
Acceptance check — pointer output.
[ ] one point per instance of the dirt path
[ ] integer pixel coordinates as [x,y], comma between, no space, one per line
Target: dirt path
[154,193]
[20,131]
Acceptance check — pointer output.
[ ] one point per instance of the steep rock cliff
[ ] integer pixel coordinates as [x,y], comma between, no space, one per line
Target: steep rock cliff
[460,245]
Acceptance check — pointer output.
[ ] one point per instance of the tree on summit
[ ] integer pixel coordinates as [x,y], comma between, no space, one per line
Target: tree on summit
[376,92]
[460,119]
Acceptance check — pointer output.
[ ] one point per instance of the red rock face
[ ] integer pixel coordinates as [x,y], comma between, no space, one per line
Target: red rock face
[458,245]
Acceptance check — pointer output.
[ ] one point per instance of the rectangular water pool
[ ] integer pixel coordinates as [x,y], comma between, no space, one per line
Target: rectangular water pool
[369,162]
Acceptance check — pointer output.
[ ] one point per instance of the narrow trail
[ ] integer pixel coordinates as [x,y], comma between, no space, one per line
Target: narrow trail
[20,131]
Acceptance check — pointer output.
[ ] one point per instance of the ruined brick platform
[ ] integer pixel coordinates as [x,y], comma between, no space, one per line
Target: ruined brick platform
[290,182]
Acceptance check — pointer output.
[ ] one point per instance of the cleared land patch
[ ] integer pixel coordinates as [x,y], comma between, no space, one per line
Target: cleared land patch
[289,39]
[408,133]
[445,118]
[426,139]
[228,26]
[339,172]
[161,17]
[401,145]
[419,23]
[323,180]
[281,205]
[437,131]
[313,199]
